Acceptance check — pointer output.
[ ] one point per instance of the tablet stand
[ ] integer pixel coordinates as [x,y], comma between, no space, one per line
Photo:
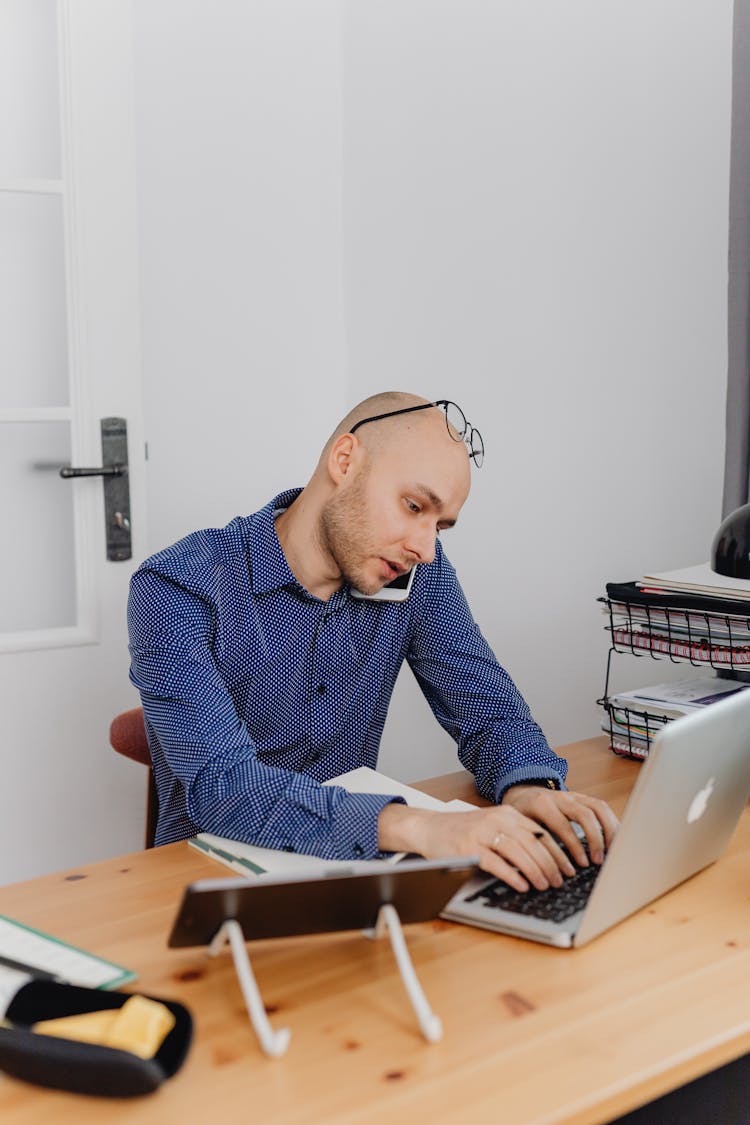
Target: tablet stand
[429,1023]
[275,1043]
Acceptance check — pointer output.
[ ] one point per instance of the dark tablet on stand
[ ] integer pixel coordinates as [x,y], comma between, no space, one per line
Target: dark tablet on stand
[338,899]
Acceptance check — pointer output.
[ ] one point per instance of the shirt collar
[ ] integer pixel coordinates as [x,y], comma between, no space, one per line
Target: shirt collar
[269,569]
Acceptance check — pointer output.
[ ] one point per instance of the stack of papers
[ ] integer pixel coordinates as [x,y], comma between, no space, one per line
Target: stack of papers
[632,718]
[699,579]
[248,860]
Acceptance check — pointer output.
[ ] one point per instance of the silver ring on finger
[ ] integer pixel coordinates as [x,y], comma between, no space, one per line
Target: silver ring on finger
[497,841]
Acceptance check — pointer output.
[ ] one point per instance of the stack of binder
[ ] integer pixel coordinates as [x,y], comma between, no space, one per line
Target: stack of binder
[632,718]
[693,615]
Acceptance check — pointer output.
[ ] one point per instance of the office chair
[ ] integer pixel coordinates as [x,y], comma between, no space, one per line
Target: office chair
[127,735]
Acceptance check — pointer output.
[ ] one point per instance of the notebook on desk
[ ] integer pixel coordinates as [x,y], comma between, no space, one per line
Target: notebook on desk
[680,817]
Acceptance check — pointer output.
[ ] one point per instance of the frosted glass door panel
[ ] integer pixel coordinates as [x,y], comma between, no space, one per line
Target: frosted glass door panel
[37,558]
[29,97]
[33,340]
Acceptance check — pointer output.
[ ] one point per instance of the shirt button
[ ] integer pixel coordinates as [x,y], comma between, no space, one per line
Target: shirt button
[321,689]
[358,850]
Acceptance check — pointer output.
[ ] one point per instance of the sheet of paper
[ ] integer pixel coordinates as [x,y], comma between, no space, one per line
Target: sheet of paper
[248,860]
[365,780]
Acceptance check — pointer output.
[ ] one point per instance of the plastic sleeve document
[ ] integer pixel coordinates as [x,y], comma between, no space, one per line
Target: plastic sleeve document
[26,952]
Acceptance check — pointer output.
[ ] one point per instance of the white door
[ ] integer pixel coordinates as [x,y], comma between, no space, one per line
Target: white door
[69,356]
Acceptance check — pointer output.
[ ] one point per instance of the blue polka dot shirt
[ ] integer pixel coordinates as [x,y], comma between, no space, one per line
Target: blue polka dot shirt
[255,692]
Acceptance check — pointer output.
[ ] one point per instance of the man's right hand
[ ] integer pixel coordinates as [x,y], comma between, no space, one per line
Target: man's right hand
[509,845]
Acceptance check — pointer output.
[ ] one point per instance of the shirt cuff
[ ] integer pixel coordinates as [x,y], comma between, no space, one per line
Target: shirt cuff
[527,774]
[355,826]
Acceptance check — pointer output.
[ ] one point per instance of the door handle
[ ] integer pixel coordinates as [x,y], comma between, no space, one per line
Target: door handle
[68,471]
[114,470]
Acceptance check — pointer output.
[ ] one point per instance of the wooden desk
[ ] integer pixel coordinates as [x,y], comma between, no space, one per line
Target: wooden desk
[531,1034]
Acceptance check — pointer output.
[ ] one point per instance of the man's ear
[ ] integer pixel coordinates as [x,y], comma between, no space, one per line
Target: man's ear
[342,457]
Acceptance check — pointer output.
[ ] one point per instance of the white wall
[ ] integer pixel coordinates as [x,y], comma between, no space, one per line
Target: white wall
[239,155]
[536,201]
[524,206]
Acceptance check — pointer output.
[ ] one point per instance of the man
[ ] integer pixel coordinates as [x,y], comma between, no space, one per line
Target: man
[262,676]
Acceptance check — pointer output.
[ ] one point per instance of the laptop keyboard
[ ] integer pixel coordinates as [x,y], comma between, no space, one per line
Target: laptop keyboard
[553,905]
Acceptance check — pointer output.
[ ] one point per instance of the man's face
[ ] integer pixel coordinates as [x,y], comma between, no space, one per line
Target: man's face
[386,517]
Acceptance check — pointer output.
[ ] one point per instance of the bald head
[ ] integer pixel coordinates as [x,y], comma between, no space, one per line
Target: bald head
[383,403]
[380,435]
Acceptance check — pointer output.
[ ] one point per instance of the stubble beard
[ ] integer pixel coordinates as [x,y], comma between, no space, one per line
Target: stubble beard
[344,535]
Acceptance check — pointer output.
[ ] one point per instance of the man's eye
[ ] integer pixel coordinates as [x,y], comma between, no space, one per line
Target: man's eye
[412,506]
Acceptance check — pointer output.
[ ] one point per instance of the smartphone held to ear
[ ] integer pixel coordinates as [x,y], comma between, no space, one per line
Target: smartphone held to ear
[395,591]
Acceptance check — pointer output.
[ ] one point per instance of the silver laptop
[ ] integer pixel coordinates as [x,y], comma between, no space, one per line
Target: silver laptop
[680,817]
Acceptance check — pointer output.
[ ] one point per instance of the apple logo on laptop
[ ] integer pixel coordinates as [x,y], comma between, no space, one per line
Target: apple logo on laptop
[700,800]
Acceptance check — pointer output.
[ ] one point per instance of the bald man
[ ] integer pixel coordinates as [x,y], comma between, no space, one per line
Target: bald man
[263,675]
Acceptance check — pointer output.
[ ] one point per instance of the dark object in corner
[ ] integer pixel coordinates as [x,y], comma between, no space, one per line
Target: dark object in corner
[730,550]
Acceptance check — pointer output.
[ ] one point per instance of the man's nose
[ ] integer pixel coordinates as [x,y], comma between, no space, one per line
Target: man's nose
[421,544]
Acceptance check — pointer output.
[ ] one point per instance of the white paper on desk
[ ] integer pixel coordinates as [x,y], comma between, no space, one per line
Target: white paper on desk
[251,861]
[365,780]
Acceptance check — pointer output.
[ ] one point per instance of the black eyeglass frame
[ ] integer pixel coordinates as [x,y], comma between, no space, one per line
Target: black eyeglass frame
[469,434]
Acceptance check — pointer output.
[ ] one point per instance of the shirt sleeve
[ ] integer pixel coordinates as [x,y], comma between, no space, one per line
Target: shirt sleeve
[228,791]
[471,695]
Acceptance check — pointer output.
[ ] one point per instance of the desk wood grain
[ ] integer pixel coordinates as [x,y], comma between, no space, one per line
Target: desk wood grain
[532,1036]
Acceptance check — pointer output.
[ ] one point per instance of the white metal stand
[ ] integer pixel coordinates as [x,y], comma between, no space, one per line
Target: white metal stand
[275,1043]
[429,1023]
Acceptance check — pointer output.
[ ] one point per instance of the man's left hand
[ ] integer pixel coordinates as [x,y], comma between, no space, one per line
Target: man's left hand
[555,809]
